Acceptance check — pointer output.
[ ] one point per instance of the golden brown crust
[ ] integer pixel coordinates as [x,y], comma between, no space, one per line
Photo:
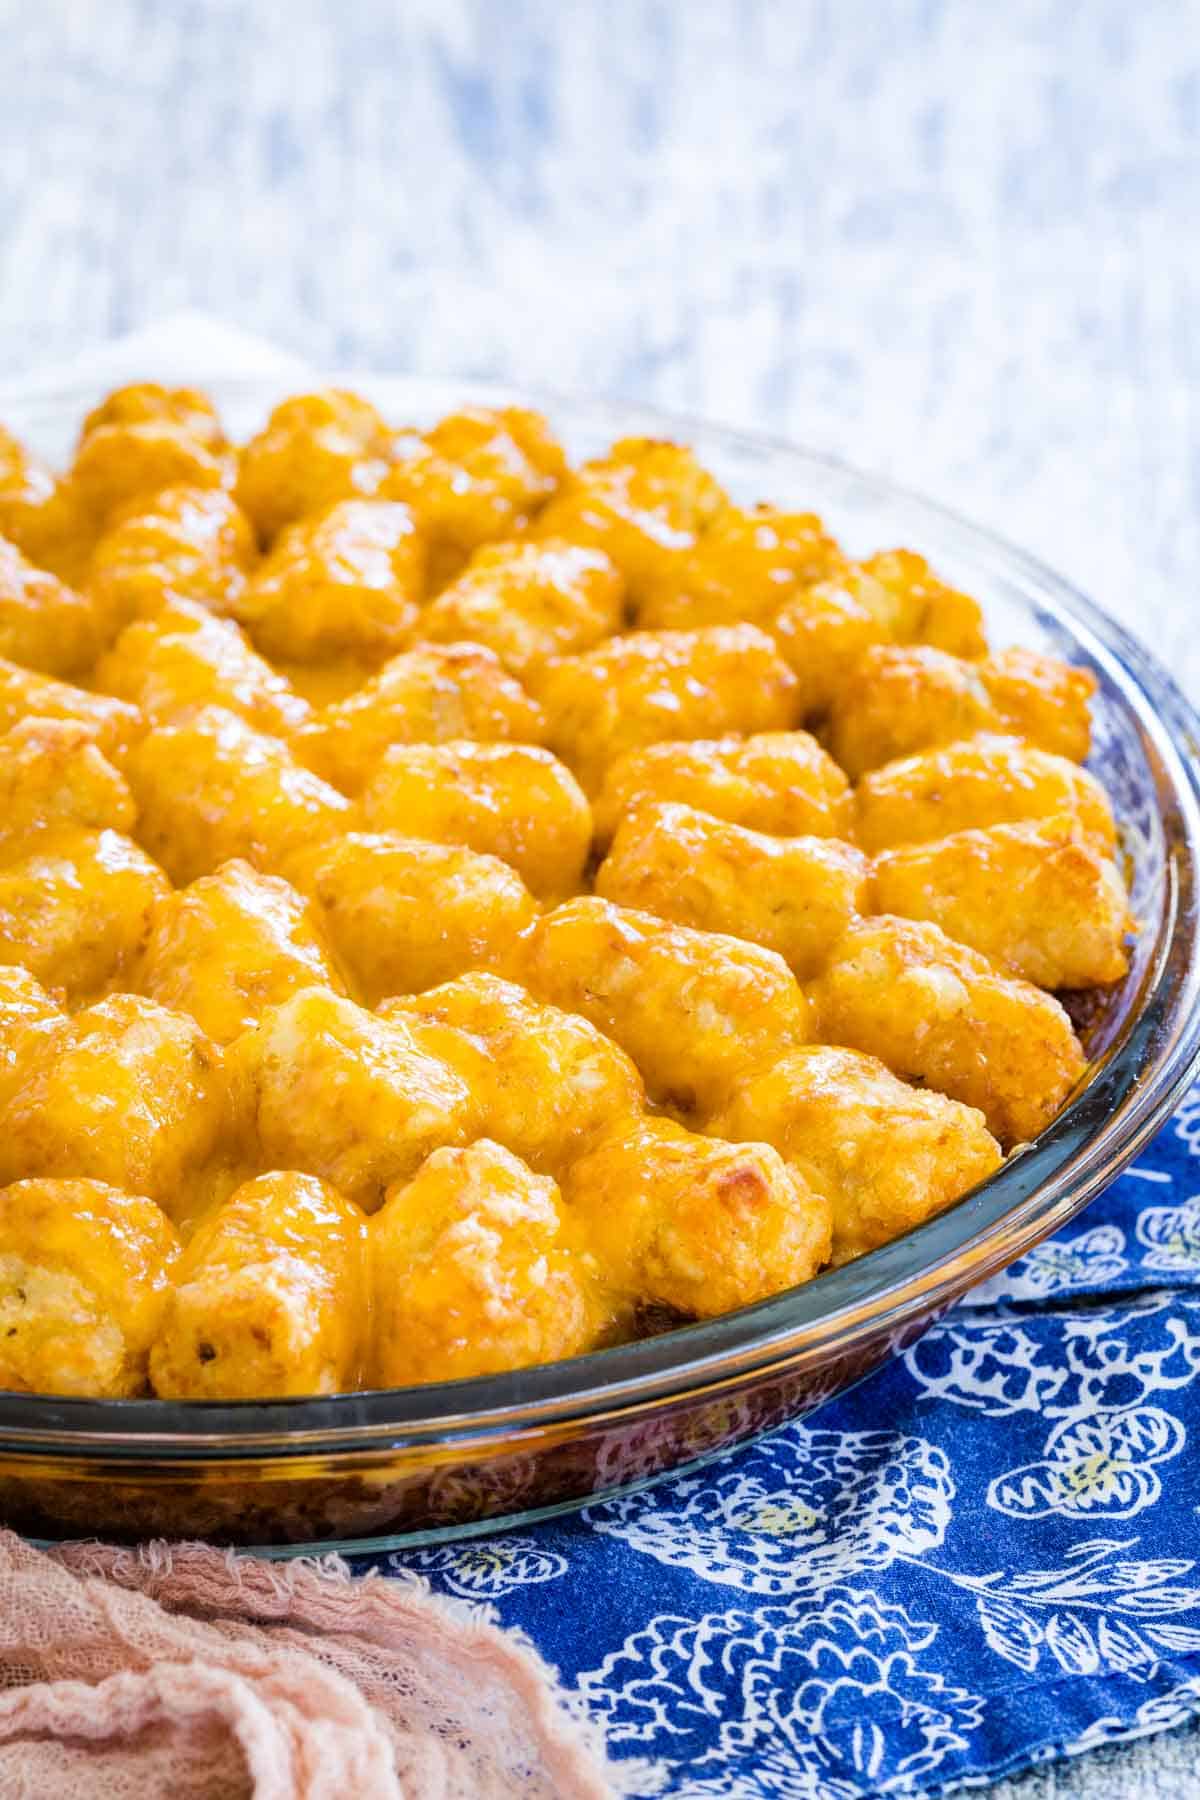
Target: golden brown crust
[695,1010]
[84,1280]
[792,895]
[26,1012]
[929,610]
[141,402]
[645,503]
[547,1082]
[515,801]
[42,516]
[431,694]
[269,1298]
[183,543]
[111,724]
[52,775]
[337,1092]
[125,1092]
[209,787]
[183,658]
[982,781]
[942,1015]
[75,908]
[528,602]
[824,632]
[135,459]
[476,1270]
[744,567]
[651,686]
[45,624]
[780,782]
[228,946]
[886,1155]
[693,1224]
[1036,898]
[899,700]
[404,915]
[478,475]
[1042,699]
[314,449]
[342,582]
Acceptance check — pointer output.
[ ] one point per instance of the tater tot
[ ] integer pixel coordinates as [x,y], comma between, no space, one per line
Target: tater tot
[898,700]
[645,502]
[781,782]
[824,630]
[184,658]
[42,516]
[695,1010]
[429,695]
[458,433]
[692,1223]
[793,895]
[27,1012]
[901,700]
[744,567]
[23,1002]
[44,624]
[475,1271]
[1042,699]
[209,787]
[52,775]
[229,946]
[132,460]
[344,582]
[184,543]
[476,476]
[124,1092]
[111,724]
[403,915]
[142,402]
[26,483]
[314,449]
[339,1093]
[270,1297]
[1035,898]
[984,781]
[547,1082]
[939,1013]
[75,907]
[932,612]
[85,1273]
[885,1154]
[514,801]
[655,685]
[529,601]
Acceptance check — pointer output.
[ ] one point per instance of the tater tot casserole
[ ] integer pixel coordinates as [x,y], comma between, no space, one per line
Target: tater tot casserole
[460,910]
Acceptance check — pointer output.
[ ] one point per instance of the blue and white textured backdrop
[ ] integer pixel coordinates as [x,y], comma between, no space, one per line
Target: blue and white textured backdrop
[955,242]
[958,242]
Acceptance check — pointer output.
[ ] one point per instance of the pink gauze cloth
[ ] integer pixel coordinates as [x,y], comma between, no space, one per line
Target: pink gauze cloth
[197,1674]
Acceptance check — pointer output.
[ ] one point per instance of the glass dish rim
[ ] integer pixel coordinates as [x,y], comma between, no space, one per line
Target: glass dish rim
[1037,1190]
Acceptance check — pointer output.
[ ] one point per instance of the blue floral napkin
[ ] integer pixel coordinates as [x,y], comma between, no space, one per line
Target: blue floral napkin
[983,1557]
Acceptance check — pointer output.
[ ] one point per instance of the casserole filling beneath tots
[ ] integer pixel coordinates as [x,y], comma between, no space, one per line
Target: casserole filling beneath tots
[459,910]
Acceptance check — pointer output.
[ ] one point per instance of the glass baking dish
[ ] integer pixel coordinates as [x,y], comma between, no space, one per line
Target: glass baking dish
[416,1465]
